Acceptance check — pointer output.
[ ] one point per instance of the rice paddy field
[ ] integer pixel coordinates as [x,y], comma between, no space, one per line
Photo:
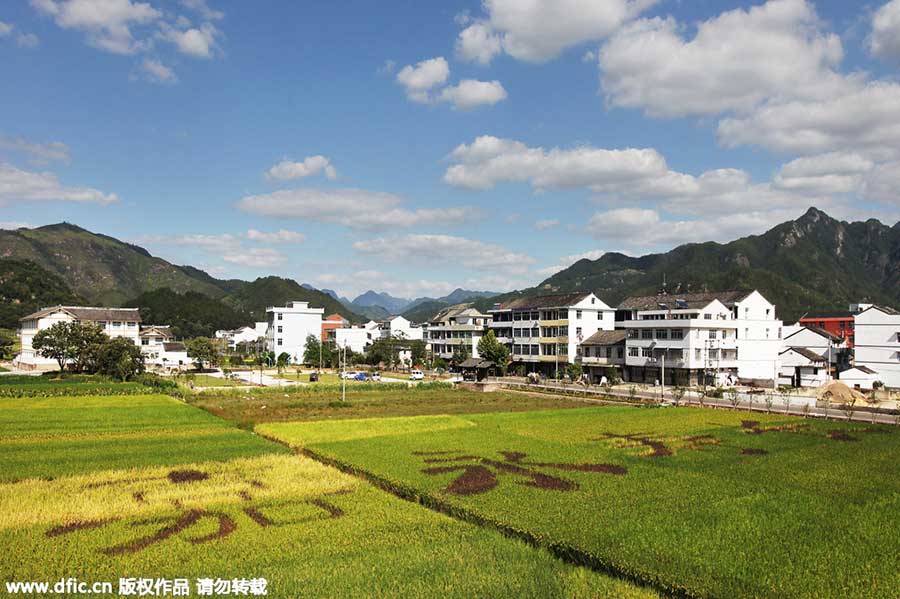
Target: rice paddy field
[697,502]
[145,486]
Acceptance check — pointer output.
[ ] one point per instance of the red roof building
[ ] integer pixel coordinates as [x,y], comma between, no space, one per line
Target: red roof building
[333,321]
[836,323]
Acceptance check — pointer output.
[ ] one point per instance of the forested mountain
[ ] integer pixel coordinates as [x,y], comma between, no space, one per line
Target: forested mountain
[813,263]
[25,287]
[253,298]
[191,314]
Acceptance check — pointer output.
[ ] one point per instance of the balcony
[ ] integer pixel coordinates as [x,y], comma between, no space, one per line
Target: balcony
[563,340]
[562,322]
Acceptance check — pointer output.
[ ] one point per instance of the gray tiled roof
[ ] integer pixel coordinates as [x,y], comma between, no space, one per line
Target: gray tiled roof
[688,300]
[91,314]
[605,338]
[536,302]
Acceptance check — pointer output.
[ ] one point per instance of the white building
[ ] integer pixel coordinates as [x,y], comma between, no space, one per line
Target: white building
[401,328]
[832,347]
[245,334]
[288,328]
[543,332]
[720,335]
[877,343]
[159,349]
[600,352]
[859,377]
[460,325]
[355,339]
[115,322]
[802,367]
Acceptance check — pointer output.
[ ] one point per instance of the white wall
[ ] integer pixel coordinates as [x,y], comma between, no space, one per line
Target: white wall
[758,337]
[877,344]
[355,339]
[289,327]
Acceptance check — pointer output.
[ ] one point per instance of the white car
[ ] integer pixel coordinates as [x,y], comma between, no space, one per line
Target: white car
[416,375]
[348,374]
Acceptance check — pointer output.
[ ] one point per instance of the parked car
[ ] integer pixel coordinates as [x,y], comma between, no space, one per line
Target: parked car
[376,376]
[348,375]
[361,376]
[416,375]
[313,377]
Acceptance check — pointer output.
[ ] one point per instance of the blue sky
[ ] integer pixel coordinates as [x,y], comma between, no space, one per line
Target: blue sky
[415,147]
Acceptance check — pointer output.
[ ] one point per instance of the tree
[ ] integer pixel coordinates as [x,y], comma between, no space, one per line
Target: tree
[7,340]
[312,355]
[57,343]
[493,350]
[283,361]
[460,353]
[201,349]
[417,352]
[120,358]
[574,371]
[87,340]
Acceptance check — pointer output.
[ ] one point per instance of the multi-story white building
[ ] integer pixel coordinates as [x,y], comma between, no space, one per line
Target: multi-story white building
[115,322]
[600,352]
[543,332]
[460,325]
[824,343]
[730,334]
[401,328]
[288,328]
[356,339]
[877,343]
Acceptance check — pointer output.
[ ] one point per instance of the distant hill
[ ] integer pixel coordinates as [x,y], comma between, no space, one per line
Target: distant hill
[422,309]
[25,287]
[812,263]
[190,314]
[101,269]
[393,305]
[372,312]
[253,298]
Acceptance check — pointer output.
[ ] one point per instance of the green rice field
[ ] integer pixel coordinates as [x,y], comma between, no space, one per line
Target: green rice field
[699,502]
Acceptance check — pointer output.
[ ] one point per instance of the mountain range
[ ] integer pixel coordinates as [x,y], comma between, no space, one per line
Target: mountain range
[812,263]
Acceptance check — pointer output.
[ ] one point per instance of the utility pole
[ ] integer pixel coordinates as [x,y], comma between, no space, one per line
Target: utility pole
[663,378]
[343,377]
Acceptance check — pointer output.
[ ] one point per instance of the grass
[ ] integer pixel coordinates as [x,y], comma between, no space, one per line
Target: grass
[364,400]
[99,488]
[54,436]
[205,380]
[784,508]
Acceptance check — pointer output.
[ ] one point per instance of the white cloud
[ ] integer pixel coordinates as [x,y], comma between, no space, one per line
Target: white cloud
[17,185]
[5,29]
[446,249]
[355,208]
[202,8]
[197,42]
[279,236]
[884,42]
[157,72]
[106,23]
[567,261]
[470,93]
[539,30]
[631,173]
[214,243]
[256,258]
[288,170]
[829,173]
[736,61]
[865,120]
[478,43]
[420,79]
[640,228]
[27,40]
[548,223]
[38,153]
[882,184]
[490,160]
[13,225]
[387,67]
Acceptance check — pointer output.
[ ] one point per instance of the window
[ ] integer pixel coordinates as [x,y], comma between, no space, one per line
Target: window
[621,352]
[131,325]
[117,324]
[578,314]
[714,334]
[145,342]
[707,317]
[578,331]
[102,324]
[677,334]
[280,315]
[633,352]
[279,329]
[279,341]
[662,333]
[646,352]
[632,333]
[647,334]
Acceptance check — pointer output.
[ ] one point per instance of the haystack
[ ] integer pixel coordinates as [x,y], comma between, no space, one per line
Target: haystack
[840,393]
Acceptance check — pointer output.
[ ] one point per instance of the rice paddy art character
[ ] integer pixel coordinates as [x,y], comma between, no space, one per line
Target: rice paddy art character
[658,446]
[261,513]
[480,474]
